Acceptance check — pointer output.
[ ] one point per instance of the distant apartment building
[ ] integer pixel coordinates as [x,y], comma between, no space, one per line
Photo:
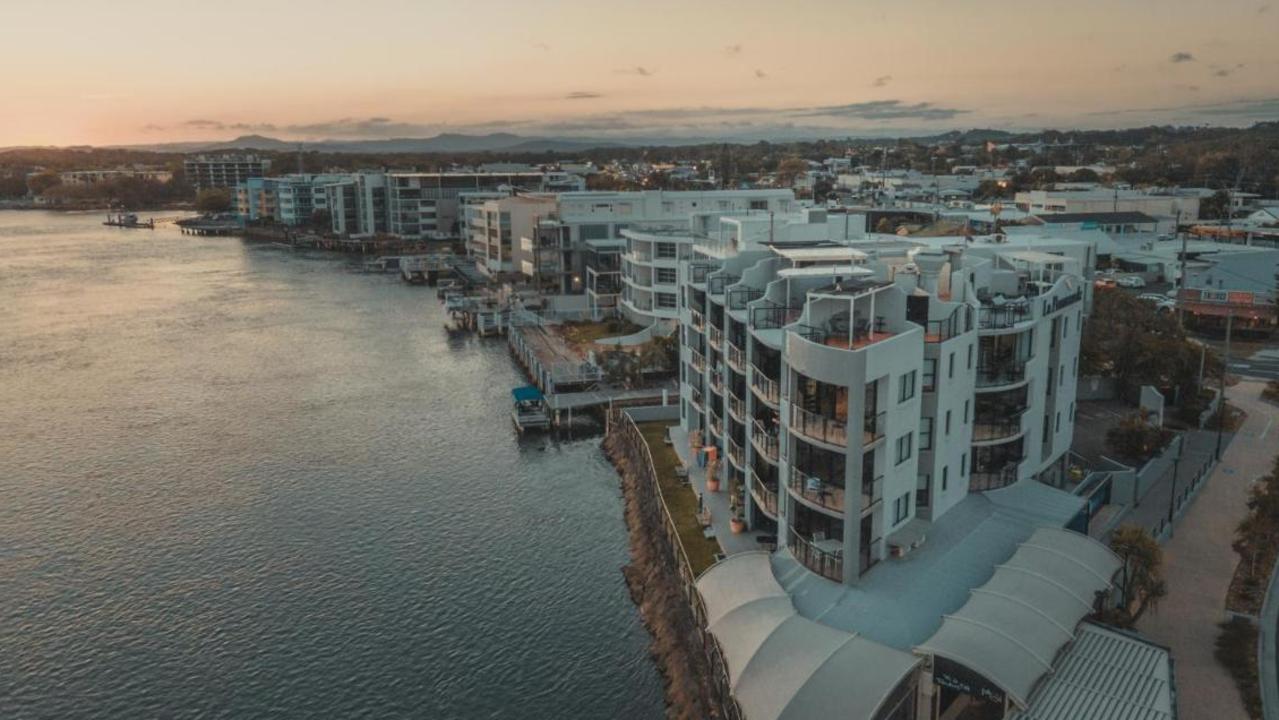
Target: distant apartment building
[93,177]
[223,170]
[503,237]
[291,200]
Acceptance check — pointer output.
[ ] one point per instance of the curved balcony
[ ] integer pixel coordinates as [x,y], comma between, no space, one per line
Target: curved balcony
[735,454]
[765,498]
[1001,375]
[716,337]
[995,430]
[736,358]
[766,388]
[819,427]
[765,443]
[992,479]
[737,407]
[697,360]
[717,423]
[1002,317]
[818,555]
[815,491]
[698,402]
[717,383]
[697,319]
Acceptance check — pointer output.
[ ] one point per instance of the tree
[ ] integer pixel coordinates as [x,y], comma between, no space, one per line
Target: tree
[1085,175]
[213,200]
[40,183]
[1215,207]
[789,169]
[1134,439]
[1142,573]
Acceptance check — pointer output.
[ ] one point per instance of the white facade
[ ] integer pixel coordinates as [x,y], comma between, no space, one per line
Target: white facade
[860,389]
[223,171]
[1162,206]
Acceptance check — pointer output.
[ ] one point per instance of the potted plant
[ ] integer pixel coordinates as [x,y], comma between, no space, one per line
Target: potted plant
[738,523]
[712,475]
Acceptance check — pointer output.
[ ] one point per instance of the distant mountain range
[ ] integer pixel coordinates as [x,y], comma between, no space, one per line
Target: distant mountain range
[444,143]
[494,142]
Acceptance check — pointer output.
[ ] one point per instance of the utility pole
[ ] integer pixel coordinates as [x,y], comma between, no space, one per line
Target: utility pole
[1172,492]
[1221,399]
[1181,307]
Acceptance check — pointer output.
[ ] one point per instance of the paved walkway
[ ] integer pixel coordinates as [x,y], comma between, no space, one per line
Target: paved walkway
[716,501]
[1199,563]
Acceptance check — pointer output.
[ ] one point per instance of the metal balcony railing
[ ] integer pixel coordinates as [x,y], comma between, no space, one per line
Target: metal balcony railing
[765,387]
[716,337]
[819,427]
[697,319]
[873,427]
[996,428]
[736,406]
[765,498]
[697,360]
[872,492]
[816,490]
[735,454]
[765,442]
[736,358]
[827,563]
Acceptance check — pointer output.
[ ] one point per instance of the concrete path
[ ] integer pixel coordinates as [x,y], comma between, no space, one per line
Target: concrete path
[717,501]
[1199,563]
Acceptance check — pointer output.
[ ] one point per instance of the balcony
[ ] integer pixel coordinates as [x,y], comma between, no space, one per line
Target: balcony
[736,358]
[695,397]
[993,479]
[736,407]
[1000,374]
[999,317]
[765,442]
[698,321]
[863,334]
[819,427]
[739,297]
[765,387]
[873,427]
[716,337]
[765,499]
[819,554]
[717,423]
[717,383]
[816,490]
[772,316]
[697,360]
[997,428]
[735,454]
[716,285]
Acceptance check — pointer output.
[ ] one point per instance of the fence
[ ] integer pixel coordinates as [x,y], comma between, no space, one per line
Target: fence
[1183,495]
[671,549]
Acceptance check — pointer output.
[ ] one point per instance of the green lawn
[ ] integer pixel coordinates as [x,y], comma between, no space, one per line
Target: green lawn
[681,501]
[585,333]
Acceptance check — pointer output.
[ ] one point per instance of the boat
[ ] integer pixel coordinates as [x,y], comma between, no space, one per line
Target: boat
[129,220]
[530,411]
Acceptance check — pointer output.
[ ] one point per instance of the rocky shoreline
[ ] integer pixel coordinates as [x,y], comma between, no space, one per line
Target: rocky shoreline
[655,588]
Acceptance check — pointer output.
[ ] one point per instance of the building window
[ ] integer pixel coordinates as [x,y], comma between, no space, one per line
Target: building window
[925,434]
[665,300]
[1058,421]
[665,251]
[947,422]
[1065,327]
[923,491]
[963,465]
[906,387]
[966,412]
[930,374]
[759,204]
[970,357]
[905,447]
[950,366]
[901,508]
[666,276]
[945,477]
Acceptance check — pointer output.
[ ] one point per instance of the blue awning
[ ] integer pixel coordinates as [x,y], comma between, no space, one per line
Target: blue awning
[528,393]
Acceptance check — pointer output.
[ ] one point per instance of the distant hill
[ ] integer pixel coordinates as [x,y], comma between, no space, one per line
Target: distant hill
[444,143]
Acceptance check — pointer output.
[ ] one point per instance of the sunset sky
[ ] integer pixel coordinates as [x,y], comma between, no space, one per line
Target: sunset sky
[146,71]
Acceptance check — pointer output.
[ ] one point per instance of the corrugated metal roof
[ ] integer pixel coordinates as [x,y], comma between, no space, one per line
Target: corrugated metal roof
[1106,675]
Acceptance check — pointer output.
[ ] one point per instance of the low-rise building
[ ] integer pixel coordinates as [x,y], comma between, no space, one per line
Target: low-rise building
[224,170]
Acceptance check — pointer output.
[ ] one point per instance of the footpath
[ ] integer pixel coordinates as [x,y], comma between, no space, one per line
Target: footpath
[1199,563]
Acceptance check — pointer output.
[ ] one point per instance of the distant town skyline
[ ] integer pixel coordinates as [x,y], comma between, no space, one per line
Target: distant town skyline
[143,71]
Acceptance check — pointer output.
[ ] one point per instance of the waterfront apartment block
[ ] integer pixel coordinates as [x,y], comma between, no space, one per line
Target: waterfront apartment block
[896,413]
[93,177]
[223,170]
[860,389]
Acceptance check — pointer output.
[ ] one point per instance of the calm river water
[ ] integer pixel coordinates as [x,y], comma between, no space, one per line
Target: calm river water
[238,482]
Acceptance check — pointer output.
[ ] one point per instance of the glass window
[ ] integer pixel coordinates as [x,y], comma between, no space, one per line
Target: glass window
[945,477]
[947,422]
[906,387]
[963,465]
[950,366]
[905,447]
[594,232]
[665,250]
[970,357]
[930,374]
[666,276]
[925,434]
[665,300]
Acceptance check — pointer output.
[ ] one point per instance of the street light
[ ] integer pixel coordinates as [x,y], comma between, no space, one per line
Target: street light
[1172,492]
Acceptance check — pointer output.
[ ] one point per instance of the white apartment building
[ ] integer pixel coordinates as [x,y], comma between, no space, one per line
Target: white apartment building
[225,170]
[502,235]
[93,177]
[896,411]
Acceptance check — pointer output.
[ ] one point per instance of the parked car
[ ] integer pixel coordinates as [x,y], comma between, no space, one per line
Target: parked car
[1155,298]
[1131,281]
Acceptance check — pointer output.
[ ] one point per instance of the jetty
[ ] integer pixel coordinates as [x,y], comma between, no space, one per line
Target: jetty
[218,225]
[129,220]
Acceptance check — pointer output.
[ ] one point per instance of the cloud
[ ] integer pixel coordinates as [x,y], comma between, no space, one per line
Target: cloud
[1181,57]
[884,110]
[881,81]
[637,70]
[594,124]
[582,95]
[734,49]
[760,74]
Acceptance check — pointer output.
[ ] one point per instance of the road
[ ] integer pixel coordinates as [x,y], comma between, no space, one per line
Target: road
[1199,563]
[1264,364]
